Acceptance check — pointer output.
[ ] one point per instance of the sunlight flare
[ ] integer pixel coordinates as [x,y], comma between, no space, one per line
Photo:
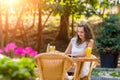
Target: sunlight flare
[10,2]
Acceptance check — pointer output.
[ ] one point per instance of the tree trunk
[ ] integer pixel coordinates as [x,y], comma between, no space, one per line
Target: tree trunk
[64,28]
[1,29]
[6,28]
[39,29]
[72,25]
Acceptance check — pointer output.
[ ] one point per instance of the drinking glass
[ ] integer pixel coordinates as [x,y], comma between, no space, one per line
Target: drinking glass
[88,51]
[52,49]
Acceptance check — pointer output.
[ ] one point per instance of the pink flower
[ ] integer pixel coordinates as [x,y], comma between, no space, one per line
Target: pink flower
[10,47]
[1,51]
[33,53]
[20,51]
[30,52]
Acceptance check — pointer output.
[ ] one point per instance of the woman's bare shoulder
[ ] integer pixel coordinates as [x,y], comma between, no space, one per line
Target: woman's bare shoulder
[91,41]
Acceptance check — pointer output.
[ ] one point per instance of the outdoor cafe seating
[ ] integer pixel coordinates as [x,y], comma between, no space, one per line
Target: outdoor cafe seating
[54,66]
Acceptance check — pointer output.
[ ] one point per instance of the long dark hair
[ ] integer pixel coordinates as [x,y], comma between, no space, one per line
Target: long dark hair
[88,33]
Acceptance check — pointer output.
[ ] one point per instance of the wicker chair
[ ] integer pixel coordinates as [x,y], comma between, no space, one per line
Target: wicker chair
[93,64]
[53,66]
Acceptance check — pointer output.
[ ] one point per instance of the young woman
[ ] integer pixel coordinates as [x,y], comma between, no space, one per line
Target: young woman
[77,46]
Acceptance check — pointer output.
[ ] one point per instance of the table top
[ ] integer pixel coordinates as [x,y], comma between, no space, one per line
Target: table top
[79,58]
[85,59]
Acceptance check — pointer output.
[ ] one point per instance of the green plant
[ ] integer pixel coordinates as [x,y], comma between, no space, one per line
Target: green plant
[22,69]
[109,40]
[106,72]
[117,74]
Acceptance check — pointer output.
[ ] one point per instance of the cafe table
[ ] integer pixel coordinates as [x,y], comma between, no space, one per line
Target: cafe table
[79,67]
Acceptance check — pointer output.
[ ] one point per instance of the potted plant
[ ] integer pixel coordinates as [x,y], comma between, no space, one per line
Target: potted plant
[108,42]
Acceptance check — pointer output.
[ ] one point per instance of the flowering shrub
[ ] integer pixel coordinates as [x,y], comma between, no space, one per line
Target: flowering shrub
[23,69]
[12,50]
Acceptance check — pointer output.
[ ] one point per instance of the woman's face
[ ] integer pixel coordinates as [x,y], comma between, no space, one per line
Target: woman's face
[81,32]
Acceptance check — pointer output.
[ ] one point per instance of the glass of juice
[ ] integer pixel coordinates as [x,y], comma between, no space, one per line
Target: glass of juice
[88,51]
[52,49]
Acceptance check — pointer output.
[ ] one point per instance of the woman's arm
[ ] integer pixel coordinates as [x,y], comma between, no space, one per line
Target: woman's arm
[68,50]
[82,54]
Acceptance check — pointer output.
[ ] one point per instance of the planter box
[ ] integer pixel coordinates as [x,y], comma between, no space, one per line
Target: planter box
[105,74]
[109,60]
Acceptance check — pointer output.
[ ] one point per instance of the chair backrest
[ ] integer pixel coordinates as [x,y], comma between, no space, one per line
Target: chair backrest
[92,65]
[53,66]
